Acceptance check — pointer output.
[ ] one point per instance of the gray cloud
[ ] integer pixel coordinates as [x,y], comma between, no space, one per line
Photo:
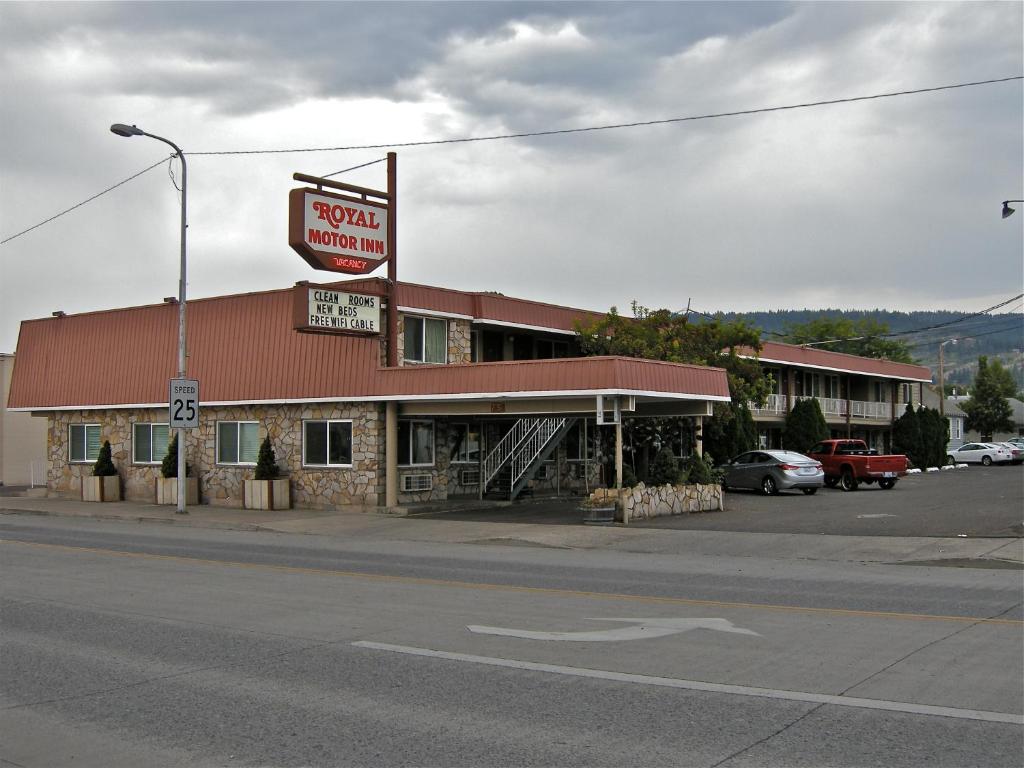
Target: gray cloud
[885,203]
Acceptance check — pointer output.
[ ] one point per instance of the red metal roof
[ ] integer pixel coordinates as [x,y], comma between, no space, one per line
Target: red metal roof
[810,357]
[243,348]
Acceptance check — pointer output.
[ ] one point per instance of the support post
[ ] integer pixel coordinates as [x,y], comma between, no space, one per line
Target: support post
[391,454]
[392,348]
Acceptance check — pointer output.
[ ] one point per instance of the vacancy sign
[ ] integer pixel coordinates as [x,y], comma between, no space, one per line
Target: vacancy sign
[337,233]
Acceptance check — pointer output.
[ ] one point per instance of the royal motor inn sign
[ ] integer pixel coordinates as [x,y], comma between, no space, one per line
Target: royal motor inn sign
[337,233]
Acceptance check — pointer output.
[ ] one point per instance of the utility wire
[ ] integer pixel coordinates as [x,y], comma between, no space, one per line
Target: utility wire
[87,200]
[614,126]
[563,131]
[354,167]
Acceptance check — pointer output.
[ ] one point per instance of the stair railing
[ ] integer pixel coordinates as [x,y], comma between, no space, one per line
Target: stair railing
[533,445]
[506,447]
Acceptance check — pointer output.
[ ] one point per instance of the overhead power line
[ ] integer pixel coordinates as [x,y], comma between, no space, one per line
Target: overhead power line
[612,126]
[87,200]
[559,132]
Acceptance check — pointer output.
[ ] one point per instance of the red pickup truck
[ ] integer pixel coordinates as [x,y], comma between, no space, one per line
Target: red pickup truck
[847,463]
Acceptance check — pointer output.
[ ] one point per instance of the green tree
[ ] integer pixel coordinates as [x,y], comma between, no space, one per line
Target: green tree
[266,461]
[104,466]
[866,337]
[661,335]
[988,410]
[934,436]
[805,425]
[906,436]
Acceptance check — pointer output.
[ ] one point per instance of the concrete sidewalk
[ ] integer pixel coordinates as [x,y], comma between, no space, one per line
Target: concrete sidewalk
[371,525]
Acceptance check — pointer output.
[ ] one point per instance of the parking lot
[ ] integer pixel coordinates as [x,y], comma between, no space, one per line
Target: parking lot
[978,501]
[974,502]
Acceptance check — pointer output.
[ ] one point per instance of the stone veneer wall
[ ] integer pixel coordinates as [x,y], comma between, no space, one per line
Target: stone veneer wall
[222,485]
[643,502]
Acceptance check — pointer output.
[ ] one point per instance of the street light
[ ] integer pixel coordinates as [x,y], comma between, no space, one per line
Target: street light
[128,131]
[942,386]
[1007,210]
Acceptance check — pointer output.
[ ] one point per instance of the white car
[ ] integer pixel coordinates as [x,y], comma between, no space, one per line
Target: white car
[980,453]
[1016,452]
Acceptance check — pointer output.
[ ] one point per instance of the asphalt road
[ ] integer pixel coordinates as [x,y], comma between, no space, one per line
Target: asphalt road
[144,645]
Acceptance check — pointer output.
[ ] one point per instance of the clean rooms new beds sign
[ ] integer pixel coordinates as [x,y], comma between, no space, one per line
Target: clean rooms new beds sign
[337,311]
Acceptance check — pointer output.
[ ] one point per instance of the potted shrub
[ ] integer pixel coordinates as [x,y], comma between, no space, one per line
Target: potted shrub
[167,483]
[104,484]
[267,490]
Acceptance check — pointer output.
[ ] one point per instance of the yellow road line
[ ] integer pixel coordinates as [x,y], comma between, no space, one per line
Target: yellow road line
[513,588]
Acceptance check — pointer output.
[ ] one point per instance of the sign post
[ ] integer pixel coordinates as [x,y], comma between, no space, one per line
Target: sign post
[183,404]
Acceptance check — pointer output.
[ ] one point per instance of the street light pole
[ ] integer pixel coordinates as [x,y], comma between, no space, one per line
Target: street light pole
[128,131]
[942,385]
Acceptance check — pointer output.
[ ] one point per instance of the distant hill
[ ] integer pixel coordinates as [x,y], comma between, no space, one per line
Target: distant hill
[998,336]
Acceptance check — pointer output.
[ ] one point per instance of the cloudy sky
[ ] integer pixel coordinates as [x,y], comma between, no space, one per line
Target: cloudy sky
[889,203]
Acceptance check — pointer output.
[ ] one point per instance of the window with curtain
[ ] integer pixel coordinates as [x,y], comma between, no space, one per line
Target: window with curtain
[327,443]
[426,340]
[415,443]
[83,442]
[149,443]
[238,442]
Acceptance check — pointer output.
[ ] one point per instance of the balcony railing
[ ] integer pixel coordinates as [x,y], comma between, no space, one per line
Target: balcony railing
[834,407]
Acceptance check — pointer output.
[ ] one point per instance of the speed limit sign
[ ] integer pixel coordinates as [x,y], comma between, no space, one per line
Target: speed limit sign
[184,403]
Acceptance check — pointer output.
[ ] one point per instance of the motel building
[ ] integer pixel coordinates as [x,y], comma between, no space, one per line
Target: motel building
[489,395]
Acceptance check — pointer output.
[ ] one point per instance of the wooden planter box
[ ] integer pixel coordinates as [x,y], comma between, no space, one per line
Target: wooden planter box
[268,494]
[106,488]
[167,491]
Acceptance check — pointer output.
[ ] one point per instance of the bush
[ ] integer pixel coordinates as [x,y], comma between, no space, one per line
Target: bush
[628,476]
[169,466]
[104,466]
[698,470]
[266,462]
[665,468]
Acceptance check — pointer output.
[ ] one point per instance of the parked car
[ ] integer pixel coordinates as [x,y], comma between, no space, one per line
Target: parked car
[1018,441]
[773,471]
[847,463]
[1016,451]
[980,453]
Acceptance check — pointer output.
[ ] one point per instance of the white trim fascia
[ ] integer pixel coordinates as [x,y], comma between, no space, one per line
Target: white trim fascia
[386,398]
[433,313]
[836,370]
[522,326]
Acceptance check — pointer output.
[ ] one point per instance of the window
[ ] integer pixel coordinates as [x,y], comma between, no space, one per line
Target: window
[906,393]
[832,387]
[881,391]
[574,440]
[474,346]
[83,442]
[426,340]
[548,349]
[812,385]
[467,444]
[238,442]
[327,443]
[955,429]
[149,443]
[415,443]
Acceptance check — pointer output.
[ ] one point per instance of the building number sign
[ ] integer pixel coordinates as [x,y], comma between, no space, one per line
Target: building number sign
[184,403]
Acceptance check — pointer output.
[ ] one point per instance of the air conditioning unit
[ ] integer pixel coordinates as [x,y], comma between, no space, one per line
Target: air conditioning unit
[469,477]
[411,483]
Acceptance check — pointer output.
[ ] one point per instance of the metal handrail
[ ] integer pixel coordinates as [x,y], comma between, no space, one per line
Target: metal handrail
[499,456]
[532,447]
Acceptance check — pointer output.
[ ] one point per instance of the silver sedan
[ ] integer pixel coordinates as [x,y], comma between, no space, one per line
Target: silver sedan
[773,471]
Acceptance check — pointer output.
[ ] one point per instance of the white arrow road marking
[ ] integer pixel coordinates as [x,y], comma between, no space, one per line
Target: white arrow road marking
[873,517]
[646,628]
